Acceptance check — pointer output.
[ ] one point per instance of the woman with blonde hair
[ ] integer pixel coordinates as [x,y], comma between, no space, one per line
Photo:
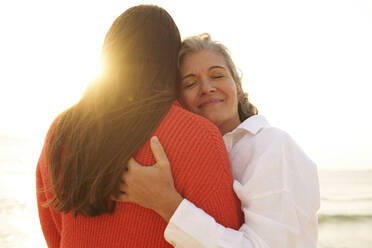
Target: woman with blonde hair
[274,179]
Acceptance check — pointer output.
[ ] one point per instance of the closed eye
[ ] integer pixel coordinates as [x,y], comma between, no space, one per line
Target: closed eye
[189,85]
[217,76]
[220,76]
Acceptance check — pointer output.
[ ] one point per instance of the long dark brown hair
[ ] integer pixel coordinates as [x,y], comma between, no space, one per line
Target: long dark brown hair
[92,141]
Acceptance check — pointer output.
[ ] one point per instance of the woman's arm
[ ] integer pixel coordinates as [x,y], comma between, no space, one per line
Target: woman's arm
[279,204]
[46,215]
[139,186]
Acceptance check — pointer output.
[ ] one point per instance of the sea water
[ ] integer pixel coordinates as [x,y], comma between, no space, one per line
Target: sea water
[345,217]
[19,223]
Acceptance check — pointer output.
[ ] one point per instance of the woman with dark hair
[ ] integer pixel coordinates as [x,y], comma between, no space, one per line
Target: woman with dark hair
[88,146]
[275,181]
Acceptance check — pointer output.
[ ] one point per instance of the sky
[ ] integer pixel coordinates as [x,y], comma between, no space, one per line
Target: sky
[307,65]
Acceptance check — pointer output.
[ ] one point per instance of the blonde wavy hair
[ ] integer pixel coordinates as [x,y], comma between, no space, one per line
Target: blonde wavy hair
[204,42]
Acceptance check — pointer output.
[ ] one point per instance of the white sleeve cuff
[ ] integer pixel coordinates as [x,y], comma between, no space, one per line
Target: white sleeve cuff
[192,227]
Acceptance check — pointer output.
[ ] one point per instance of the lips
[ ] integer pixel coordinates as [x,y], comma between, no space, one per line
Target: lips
[209,103]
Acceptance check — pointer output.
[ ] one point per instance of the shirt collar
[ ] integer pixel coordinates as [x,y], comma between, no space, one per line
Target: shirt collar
[251,125]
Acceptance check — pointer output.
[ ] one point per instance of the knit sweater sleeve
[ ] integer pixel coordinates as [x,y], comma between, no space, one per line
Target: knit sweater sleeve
[200,164]
[209,184]
[49,219]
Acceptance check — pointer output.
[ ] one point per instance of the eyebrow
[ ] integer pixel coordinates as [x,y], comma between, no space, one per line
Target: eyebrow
[216,66]
[210,68]
[188,75]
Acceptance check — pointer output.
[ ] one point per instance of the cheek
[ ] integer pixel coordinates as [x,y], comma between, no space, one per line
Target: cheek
[187,99]
[232,93]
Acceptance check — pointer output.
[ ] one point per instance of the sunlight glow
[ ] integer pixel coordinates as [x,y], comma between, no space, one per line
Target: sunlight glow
[306,65]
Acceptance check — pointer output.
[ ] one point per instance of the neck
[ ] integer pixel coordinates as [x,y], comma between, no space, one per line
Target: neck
[228,127]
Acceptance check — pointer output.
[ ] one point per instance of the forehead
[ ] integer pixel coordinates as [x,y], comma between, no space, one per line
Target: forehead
[201,61]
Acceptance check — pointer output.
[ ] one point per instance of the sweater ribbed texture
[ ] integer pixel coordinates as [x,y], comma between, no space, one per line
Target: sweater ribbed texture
[201,173]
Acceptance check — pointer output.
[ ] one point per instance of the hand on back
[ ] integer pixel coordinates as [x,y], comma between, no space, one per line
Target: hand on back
[151,186]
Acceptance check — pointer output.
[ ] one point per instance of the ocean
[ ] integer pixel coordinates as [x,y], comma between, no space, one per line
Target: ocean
[345,216]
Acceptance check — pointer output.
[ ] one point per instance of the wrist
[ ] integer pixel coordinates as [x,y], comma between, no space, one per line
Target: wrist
[170,206]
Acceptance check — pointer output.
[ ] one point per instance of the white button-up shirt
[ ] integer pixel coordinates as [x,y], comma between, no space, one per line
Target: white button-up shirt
[277,185]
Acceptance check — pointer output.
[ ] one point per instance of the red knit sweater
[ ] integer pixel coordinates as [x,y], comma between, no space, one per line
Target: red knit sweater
[201,173]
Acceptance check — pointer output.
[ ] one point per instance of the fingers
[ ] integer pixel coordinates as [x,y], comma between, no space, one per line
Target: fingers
[123,187]
[132,164]
[158,151]
[122,196]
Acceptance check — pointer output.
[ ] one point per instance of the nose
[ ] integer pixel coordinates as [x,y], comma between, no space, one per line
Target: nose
[206,87]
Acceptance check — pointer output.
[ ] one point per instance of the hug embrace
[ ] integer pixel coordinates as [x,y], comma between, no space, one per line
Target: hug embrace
[165,149]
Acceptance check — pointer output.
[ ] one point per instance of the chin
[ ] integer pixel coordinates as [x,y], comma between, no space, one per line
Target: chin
[215,120]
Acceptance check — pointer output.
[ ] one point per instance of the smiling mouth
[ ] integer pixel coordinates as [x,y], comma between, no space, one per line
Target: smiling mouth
[209,103]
